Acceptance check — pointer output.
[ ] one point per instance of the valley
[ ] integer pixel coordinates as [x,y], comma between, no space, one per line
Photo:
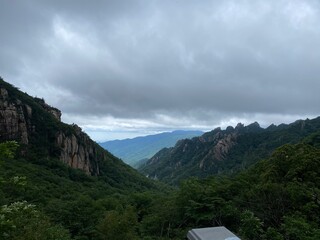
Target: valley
[56,183]
[134,150]
[159,120]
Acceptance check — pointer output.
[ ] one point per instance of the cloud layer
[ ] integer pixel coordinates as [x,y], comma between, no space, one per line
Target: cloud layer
[154,65]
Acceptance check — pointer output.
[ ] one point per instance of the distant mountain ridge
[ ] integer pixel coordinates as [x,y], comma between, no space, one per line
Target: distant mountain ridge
[224,151]
[133,150]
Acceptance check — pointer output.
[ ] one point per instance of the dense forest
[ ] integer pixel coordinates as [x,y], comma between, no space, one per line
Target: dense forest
[278,198]
[45,195]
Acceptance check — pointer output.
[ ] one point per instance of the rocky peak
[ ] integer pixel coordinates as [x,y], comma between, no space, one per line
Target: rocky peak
[54,111]
[272,127]
[254,127]
[211,136]
[239,126]
[229,129]
[220,149]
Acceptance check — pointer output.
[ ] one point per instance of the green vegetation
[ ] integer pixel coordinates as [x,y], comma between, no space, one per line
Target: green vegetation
[278,198]
[250,144]
[48,193]
[56,195]
[275,199]
[21,220]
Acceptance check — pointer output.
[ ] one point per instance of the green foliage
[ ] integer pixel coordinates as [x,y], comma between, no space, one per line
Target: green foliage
[8,149]
[278,198]
[119,225]
[250,144]
[272,234]
[78,215]
[21,221]
[250,226]
[299,228]
[66,196]
[70,198]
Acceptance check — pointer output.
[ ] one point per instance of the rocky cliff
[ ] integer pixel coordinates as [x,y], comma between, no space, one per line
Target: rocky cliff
[78,151]
[224,151]
[14,118]
[32,122]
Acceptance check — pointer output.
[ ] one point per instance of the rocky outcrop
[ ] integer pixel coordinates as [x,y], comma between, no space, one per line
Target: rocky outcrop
[20,121]
[201,156]
[56,113]
[223,146]
[77,151]
[13,119]
[219,151]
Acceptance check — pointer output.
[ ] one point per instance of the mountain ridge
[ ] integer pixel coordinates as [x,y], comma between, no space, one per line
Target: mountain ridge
[224,151]
[132,150]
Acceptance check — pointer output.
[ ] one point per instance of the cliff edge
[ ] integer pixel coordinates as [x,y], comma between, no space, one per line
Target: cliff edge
[39,130]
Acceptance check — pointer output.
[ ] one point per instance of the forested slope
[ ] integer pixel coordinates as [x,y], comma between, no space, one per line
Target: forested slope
[44,197]
[66,177]
[278,198]
[224,151]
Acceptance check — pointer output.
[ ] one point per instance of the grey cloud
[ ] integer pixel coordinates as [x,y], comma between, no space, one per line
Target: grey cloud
[141,59]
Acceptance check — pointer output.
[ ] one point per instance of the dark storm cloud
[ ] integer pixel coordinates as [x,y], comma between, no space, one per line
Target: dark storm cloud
[200,61]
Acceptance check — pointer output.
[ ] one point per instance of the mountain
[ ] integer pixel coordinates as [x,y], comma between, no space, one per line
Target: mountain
[133,150]
[277,198]
[224,151]
[60,183]
[37,127]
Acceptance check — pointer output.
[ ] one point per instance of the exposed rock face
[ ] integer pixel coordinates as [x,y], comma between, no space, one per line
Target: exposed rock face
[208,148]
[13,123]
[17,122]
[199,156]
[219,151]
[78,151]
[223,146]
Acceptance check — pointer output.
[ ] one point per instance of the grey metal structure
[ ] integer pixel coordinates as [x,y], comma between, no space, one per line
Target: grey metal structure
[211,233]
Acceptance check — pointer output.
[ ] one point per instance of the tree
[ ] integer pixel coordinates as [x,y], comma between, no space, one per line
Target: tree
[251,226]
[22,221]
[119,226]
[8,149]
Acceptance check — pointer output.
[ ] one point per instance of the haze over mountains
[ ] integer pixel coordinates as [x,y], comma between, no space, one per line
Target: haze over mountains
[133,150]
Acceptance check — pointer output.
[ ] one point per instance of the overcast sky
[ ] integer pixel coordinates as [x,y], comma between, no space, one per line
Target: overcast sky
[121,68]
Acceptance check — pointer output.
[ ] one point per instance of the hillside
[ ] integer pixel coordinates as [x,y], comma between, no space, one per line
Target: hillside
[58,171]
[133,150]
[224,151]
[277,199]
[45,195]
[37,127]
